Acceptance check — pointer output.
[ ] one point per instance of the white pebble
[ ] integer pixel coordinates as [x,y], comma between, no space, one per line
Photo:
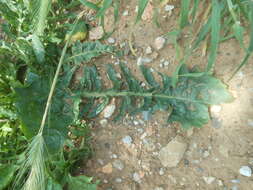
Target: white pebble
[168,8]
[127,140]
[118,180]
[159,42]
[245,171]
[125,13]
[166,63]
[148,50]
[137,177]
[109,110]
[111,40]
[215,108]
[209,180]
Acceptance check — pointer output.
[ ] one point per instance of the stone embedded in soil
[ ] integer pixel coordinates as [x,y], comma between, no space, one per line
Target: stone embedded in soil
[127,140]
[118,180]
[148,50]
[209,179]
[161,171]
[173,152]
[118,164]
[136,177]
[107,168]
[169,8]
[159,188]
[159,42]
[125,13]
[235,181]
[111,40]
[216,122]
[96,33]
[234,188]
[109,110]
[103,122]
[245,171]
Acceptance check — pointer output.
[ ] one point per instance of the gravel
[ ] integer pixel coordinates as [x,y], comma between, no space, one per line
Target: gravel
[127,140]
[118,164]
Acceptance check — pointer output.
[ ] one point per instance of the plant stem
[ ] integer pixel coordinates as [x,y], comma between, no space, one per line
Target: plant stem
[52,89]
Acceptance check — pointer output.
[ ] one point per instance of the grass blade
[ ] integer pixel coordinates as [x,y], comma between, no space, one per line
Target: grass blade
[141,7]
[184,14]
[215,34]
[250,48]
[89,4]
[106,5]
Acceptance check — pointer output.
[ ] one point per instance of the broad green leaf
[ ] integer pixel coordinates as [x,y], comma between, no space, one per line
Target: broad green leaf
[84,52]
[187,102]
[31,109]
[6,175]
[215,33]
[38,48]
[141,8]
[81,183]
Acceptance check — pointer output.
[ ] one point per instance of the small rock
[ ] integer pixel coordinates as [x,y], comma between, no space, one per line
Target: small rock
[245,171]
[96,33]
[109,110]
[107,168]
[114,156]
[100,161]
[154,55]
[136,177]
[105,181]
[161,65]
[118,180]
[161,171]
[220,183]
[215,109]
[250,122]
[206,154]
[173,152]
[146,115]
[169,8]
[159,188]
[118,164]
[234,188]
[127,140]
[166,63]
[235,180]
[103,122]
[111,40]
[159,42]
[209,179]
[148,50]
[125,13]
[136,122]
[216,122]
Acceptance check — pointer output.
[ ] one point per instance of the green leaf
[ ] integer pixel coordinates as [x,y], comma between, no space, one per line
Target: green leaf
[30,111]
[141,8]
[105,6]
[81,183]
[89,4]
[53,185]
[84,52]
[215,33]
[184,13]
[187,102]
[40,10]
[6,175]
[38,48]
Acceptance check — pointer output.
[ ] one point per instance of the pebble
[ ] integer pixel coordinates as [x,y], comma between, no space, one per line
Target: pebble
[100,161]
[220,183]
[118,164]
[234,188]
[159,42]
[118,180]
[245,171]
[107,168]
[206,154]
[127,140]
[173,152]
[169,8]
[250,122]
[235,180]
[103,122]
[111,40]
[136,122]
[105,181]
[209,179]
[148,50]
[96,33]
[109,110]
[125,13]
[216,123]
[114,156]
[161,171]
[136,177]
[166,63]
[215,109]
[159,188]
[146,115]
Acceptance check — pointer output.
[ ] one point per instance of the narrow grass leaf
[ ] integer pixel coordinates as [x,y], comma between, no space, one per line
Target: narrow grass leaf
[102,10]
[89,5]
[238,32]
[215,33]
[184,14]
[141,8]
